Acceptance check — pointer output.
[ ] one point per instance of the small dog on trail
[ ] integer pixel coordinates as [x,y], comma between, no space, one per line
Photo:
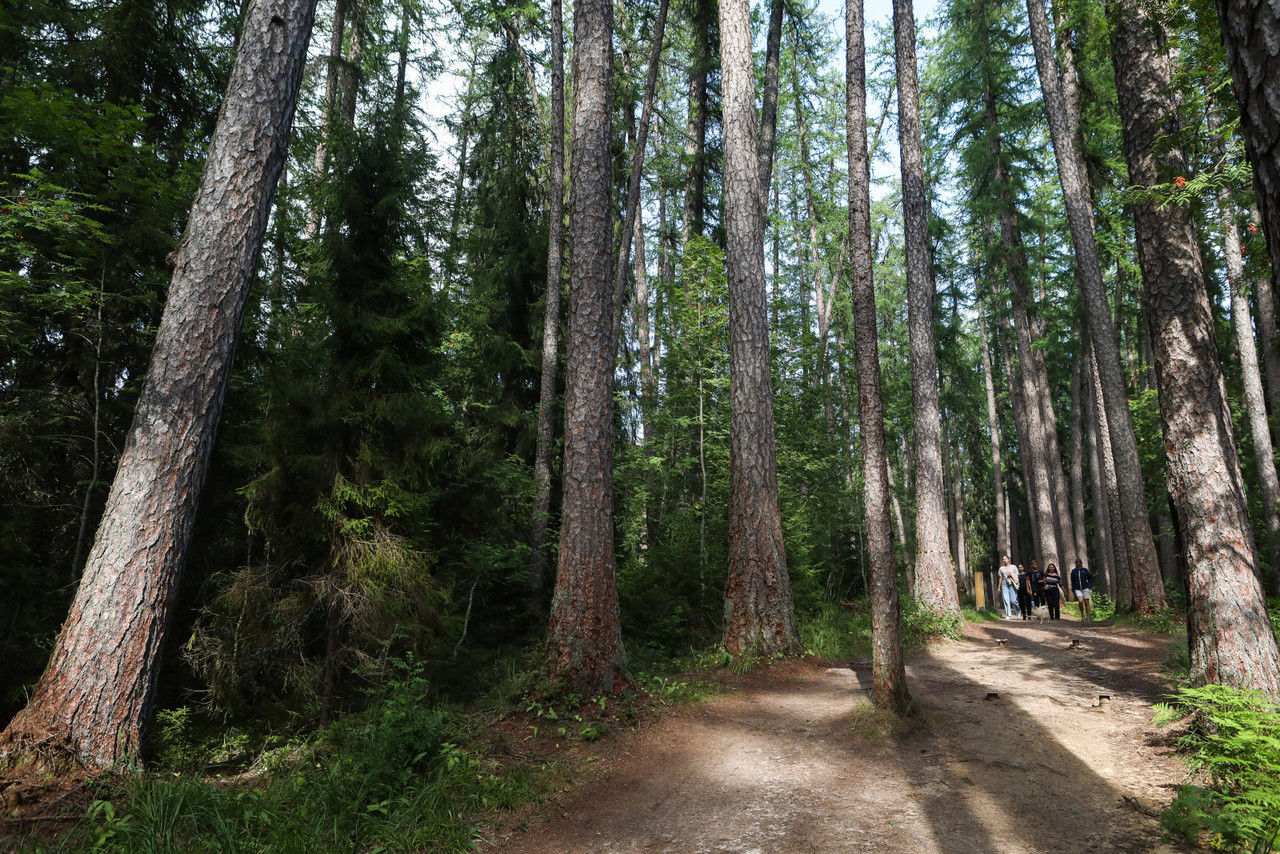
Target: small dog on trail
[1040,612]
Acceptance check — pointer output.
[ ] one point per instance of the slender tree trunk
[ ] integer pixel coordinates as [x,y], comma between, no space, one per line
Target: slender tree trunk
[1077,464]
[584,638]
[1231,636]
[637,169]
[759,615]
[900,525]
[329,107]
[1122,587]
[1251,33]
[540,560]
[696,131]
[888,674]
[1063,125]
[1104,556]
[769,111]
[1250,374]
[935,584]
[94,700]
[1039,486]
[1003,543]
[1270,351]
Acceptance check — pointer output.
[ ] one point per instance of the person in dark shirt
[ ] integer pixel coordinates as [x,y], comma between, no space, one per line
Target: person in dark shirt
[1082,589]
[1024,593]
[1052,589]
[1036,579]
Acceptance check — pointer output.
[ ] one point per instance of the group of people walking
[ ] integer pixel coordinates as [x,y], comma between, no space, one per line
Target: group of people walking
[1025,589]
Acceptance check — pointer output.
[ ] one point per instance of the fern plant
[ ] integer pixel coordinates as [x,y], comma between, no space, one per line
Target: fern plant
[1234,740]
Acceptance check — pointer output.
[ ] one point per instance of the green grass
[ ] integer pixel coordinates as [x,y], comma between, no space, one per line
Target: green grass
[836,631]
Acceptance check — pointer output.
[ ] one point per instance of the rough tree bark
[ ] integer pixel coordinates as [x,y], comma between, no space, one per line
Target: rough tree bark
[888,674]
[696,130]
[1120,585]
[540,560]
[632,213]
[1039,486]
[769,108]
[1251,33]
[1250,374]
[1230,633]
[584,639]
[1077,462]
[759,615]
[1103,556]
[1003,545]
[934,583]
[1064,129]
[93,701]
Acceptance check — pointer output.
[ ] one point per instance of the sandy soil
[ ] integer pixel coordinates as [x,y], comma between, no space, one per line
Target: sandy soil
[786,761]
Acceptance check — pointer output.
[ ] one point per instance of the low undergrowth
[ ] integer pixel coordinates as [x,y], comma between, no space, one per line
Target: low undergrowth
[1231,739]
[844,631]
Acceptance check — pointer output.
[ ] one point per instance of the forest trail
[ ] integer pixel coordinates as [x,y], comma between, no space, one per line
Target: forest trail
[780,765]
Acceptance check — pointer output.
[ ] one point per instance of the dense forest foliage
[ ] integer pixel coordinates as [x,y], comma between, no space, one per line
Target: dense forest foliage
[372,502]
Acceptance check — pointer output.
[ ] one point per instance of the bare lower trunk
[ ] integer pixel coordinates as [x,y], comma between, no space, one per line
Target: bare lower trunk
[1063,114]
[934,583]
[1231,636]
[889,681]
[540,560]
[759,615]
[94,699]
[584,640]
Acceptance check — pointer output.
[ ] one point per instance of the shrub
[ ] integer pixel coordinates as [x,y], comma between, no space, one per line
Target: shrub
[1234,739]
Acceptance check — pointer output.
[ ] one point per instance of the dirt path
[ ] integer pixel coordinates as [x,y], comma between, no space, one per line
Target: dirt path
[779,765]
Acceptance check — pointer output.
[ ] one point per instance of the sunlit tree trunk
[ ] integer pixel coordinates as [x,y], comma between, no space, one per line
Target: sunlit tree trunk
[1103,556]
[1062,110]
[94,699]
[584,640]
[759,615]
[1077,463]
[889,681]
[934,582]
[1255,405]
[1231,638]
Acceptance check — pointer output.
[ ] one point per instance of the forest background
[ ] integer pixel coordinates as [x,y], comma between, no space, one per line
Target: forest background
[370,498]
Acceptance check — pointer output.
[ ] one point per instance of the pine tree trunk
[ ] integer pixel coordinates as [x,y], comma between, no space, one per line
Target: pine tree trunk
[1231,637]
[1077,465]
[540,560]
[329,106]
[696,132]
[94,700]
[1003,543]
[1250,374]
[934,583]
[769,110]
[888,674]
[1103,556]
[584,639]
[759,615]
[1251,33]
[1120,588]
[632,215]
[1064,127]
[1265,296]
[1039,486]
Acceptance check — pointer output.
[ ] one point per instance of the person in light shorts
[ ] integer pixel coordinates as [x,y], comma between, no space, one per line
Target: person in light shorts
[1082,590]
